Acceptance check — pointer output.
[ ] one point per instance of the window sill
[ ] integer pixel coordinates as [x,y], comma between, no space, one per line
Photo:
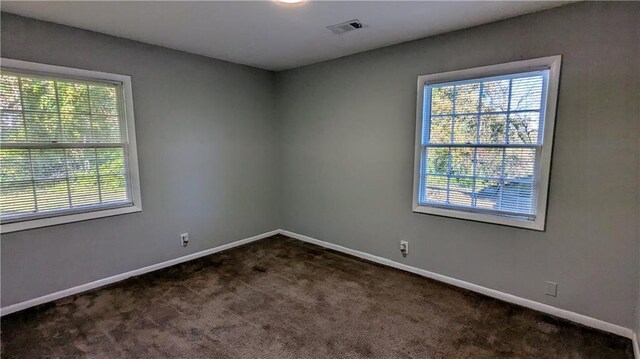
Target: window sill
[69,218]
[537,224]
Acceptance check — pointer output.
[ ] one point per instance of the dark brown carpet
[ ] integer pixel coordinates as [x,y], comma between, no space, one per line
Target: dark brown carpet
[282,298]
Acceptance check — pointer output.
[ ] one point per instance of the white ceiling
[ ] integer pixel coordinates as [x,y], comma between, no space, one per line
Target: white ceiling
[272,35]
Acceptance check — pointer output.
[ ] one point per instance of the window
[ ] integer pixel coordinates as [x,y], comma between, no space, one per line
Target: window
[67,146]
[483,142]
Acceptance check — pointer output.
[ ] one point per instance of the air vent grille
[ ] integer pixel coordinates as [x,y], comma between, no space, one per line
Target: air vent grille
[346,26]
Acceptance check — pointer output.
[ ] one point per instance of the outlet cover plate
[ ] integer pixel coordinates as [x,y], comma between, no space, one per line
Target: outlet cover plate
[551,289]
[184,239]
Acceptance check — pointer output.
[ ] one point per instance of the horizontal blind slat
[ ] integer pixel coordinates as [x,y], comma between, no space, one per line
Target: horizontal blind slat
[63,146]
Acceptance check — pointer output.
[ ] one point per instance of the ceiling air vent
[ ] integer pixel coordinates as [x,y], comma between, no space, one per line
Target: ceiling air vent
[346,26]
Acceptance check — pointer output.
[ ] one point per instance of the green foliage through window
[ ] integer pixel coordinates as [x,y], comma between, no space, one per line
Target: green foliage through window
[63,145]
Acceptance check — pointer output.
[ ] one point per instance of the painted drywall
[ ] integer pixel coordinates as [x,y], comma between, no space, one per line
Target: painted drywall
[637,328]
[207,155]
[348,136]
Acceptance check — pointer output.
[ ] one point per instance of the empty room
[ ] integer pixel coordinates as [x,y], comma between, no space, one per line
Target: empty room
[320,179]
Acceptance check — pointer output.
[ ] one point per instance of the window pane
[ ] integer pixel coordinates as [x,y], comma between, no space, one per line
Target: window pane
[462,199]
[113,188]
[103,99]
[503,181]
[467,97]
[523,127]
[81,162]
[14,165]
[493,129]
[12,127]
[517,197]
[489,162]
[438,160]
[39,95]
[488,194]
[465,129]
[10,93]
[111,161]
[84,191]
[106,129]
[442,100]
[462,160]
[526,93]
[436,195]
[52,194]
[436,189]
[461,190]
[519,163]
[42,126]
[76,128]
[495,96]
[15,178]
[16,197]
[440,131]
[48,164]
[73,97]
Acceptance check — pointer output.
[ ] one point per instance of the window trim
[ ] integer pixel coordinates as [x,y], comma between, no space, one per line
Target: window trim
[131,158]
[553,64]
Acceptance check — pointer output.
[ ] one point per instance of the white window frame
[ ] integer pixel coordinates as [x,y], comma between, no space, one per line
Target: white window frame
[132,153]
[552,63]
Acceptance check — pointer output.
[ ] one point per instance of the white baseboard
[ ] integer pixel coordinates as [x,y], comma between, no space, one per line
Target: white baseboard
[545,308]
[636,346]
[119,277]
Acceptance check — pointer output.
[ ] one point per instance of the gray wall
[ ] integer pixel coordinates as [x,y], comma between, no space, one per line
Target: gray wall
[207,153]
[348,136]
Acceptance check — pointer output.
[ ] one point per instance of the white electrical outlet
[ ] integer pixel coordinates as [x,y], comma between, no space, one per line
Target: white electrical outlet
[184,239]
[404,248]
[551,289]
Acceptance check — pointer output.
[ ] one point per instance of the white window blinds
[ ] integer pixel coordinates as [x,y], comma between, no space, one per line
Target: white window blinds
[481,143]
[63,146]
